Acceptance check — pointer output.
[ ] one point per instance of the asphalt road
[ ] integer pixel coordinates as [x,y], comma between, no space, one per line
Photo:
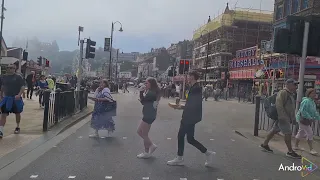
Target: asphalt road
[82,158]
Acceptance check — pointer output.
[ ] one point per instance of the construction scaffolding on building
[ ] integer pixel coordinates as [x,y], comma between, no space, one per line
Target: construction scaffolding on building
[231,31]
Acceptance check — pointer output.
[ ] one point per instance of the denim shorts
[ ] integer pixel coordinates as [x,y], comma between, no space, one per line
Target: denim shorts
[283,126]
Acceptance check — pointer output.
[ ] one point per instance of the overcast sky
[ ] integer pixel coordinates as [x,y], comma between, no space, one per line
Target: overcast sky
[147,23]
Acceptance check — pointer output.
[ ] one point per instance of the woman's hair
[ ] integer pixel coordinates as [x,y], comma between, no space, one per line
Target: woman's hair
[309,91]
[104,81]
[154,87]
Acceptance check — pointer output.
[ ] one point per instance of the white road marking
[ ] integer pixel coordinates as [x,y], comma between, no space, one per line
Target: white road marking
[71,177]
[124,137]
[80,137]
[108,177]
[54,146]
[211,139]
[220,179]
[233,140]
[102,137]
[145,178]
[169,138]
[33,176]
[183,178]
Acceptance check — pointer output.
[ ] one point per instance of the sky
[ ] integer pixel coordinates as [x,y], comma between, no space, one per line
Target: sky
[146,23]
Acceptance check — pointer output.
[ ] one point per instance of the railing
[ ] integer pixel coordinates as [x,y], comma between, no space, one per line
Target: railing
[60,105]
[262,122]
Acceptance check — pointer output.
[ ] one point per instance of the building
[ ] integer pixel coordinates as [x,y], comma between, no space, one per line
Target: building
[231,31]
[127,56]
[181,50]
[284,8]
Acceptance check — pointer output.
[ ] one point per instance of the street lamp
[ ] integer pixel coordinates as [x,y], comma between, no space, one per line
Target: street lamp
[207,59]
[1,28]
[111,39]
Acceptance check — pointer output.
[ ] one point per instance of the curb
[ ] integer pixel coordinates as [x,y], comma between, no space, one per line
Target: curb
[78,119]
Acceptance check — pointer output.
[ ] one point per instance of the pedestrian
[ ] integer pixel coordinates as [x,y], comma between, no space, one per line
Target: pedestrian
[305,116]
[12,87]
[149,97]
[42,85]
[192,114]
[285,106]
[102,118]
[31,80]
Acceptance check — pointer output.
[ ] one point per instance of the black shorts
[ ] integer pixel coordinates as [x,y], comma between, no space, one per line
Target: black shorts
[14,109]
[148,120]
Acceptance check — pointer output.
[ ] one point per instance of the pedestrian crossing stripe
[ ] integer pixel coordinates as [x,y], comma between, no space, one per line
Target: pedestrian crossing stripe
[33,176]
[108,177]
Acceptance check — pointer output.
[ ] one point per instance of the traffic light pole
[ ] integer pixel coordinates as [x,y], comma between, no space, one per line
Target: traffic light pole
[2,18]
[302,66]
[80,65]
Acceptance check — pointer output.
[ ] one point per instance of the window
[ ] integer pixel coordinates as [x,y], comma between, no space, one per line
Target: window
[279,13]
[287,10]
[304,4]
[295,6]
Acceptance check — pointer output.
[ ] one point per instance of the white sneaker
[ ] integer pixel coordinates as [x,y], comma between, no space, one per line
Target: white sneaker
[152,148]
[143,155]
[178,161]
[94,135]
[313,152]
[209,158]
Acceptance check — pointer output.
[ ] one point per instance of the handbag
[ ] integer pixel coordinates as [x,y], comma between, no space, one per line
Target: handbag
[305,121]
[111,106]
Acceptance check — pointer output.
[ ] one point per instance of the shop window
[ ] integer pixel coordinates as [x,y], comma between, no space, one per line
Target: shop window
[304,4]
[295,6]
[279,11]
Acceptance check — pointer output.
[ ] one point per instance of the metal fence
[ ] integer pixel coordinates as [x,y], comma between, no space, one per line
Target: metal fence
[262,122]
[59,105]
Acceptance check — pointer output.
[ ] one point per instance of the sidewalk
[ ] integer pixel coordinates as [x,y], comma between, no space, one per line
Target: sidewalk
[31,127]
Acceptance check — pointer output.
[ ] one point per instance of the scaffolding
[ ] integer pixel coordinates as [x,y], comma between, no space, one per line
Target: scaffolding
[231,31]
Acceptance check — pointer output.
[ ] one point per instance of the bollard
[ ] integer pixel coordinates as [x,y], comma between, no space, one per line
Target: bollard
[256,116]
[46,98]
[57,106]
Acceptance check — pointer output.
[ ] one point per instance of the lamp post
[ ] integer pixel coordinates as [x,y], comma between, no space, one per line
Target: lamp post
[1,28]
[207,58]
[111,39]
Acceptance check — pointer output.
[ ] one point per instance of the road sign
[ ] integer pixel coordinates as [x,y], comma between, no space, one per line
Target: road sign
[106,44]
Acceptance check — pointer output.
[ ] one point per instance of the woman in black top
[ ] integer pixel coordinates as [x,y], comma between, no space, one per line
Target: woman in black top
[149,98]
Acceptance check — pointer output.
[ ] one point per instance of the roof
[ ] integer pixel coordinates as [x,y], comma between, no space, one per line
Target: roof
[227,19]
[8,60]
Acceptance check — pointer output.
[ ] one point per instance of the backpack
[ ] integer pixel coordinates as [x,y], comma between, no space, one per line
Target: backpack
[270,106]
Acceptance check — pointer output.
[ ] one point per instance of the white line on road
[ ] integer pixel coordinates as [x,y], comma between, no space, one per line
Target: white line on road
[233,140]
[33,176]
[183,178]
[102,137]
[145,178]
[220,179]
[54,146]
[124,137]
[108,177]
[168,138]
[71,177]
[80,137]
[211,139]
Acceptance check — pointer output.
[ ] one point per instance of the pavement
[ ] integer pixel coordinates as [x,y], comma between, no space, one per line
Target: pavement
[73,155]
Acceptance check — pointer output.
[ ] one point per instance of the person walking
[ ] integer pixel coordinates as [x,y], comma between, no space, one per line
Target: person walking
[305,116]
[12,87]
[42,85]
[31,80]
[192,114]
[285,105]
[102,119]
[150,101]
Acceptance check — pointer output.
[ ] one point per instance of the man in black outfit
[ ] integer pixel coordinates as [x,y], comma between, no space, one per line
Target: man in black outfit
[31,80]
[192,114]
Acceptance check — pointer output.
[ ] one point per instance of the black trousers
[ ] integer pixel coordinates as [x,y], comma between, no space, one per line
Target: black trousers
[188,129]
[30,90]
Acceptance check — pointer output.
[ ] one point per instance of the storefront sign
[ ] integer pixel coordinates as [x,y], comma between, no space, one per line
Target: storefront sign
[246,63]
[245,53]
[242,74]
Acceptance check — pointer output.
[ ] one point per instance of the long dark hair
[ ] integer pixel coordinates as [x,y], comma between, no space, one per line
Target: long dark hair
[154,87]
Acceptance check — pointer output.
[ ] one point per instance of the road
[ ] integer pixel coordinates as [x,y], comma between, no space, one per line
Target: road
[82,158]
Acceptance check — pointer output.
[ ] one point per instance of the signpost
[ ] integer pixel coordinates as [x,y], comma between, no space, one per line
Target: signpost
[107,44]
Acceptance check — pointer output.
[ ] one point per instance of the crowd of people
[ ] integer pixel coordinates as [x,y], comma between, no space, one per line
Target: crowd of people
[150,95]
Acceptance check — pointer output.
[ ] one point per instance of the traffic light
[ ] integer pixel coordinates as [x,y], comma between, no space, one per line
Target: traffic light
[186,66]
[281,41]
[25,55]
[39,61]
[47,63]
[172,72]
[90,50]
[181,67]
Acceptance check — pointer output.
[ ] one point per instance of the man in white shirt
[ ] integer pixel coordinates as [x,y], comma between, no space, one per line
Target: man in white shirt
[178,90]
